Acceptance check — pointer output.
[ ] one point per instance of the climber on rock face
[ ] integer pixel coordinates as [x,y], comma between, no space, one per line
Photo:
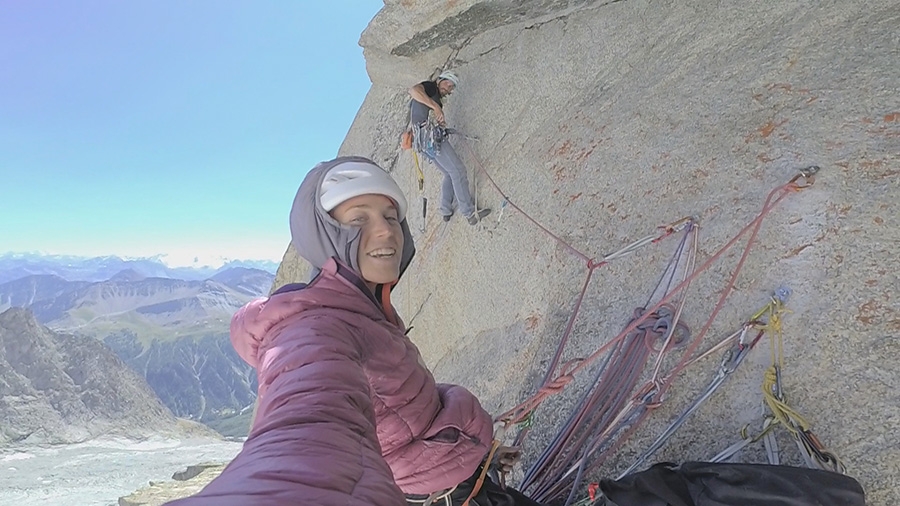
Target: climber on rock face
[348,412]
[432,142]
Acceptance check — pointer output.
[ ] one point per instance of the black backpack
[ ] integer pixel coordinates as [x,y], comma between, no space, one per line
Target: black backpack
[724,484]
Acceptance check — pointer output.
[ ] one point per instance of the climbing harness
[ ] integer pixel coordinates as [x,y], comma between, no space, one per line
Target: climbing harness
[428,136]
[440,495]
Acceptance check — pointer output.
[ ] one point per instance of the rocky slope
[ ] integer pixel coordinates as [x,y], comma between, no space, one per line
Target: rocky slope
[199,378]
[57,388]
[173,332]
[25,291]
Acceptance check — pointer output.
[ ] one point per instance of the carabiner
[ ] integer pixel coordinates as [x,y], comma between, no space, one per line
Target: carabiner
[808,175]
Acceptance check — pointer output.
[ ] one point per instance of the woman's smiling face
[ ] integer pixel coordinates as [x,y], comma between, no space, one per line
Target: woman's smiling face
[381,237]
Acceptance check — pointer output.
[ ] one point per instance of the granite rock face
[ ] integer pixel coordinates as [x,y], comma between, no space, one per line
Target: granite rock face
[604,120]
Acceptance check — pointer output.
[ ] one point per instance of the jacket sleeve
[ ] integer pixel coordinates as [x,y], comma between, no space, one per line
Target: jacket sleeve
[314,439]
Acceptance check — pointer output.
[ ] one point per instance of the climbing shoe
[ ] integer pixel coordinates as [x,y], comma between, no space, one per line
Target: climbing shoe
[478,215]
[447,217]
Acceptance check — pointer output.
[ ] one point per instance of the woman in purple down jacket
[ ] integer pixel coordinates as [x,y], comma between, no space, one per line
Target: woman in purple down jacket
[348,412]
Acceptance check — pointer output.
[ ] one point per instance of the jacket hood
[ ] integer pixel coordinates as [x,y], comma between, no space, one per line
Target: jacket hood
[317,236]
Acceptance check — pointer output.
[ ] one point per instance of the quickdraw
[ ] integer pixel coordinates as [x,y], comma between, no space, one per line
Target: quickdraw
[731,360]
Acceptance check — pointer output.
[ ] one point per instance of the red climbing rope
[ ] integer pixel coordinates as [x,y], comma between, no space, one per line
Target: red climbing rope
[517,413]
[553,480]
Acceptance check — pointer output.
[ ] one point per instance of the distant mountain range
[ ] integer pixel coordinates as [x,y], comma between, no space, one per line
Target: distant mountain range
[173,332]
[74,268]
[156,307]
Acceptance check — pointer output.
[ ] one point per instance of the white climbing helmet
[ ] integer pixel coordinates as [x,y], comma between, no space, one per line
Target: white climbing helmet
[356,177]
[449,76]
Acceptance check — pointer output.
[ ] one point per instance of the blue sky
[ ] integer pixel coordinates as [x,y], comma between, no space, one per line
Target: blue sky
[140,127]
